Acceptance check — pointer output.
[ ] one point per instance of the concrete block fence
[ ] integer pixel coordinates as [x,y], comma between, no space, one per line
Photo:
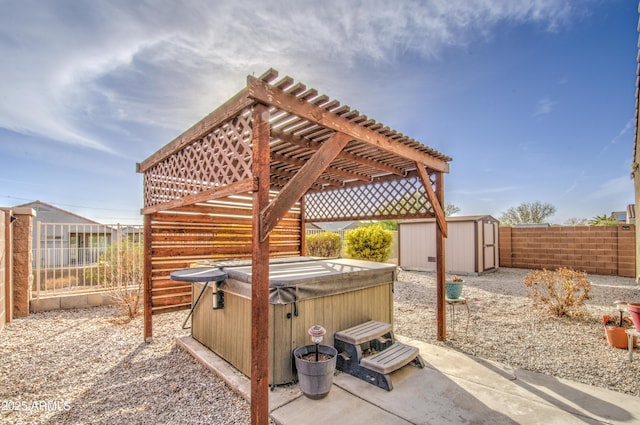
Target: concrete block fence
[604,250]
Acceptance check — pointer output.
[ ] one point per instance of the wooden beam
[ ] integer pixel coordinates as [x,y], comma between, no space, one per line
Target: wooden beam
[242,186]
[147,275]
[302,181]
[223,113]
[319,183]
[441,217]
[263,92]
[305,143]
[260,271]
[333,170]
[441,312]
[280,179]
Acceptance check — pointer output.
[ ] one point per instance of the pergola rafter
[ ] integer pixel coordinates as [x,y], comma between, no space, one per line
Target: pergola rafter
[242,182]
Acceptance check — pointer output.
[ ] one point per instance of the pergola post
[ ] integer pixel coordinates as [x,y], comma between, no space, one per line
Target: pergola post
[260,270]
[441,333]
[148,269]
[436,198]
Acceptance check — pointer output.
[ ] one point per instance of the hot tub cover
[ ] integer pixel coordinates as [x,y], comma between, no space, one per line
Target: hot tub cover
[298,278]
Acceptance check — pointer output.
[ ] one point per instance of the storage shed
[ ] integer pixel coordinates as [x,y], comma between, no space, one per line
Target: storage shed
[471,246]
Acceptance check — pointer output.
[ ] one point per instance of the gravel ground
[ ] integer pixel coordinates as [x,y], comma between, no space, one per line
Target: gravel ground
[90,366]
[503,327]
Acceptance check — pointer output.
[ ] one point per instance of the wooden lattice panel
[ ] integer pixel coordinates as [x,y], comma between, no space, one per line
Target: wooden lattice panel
[221,157]
[382,199]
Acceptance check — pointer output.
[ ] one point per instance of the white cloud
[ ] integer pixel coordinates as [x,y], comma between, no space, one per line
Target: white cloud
[613,188]
[79,70]
[626,129]
[544,106]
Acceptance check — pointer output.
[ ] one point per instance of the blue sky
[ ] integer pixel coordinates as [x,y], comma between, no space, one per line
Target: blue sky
[533,99]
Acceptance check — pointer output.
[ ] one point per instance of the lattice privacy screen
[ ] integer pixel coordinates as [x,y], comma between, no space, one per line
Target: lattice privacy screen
[221,157]
[402,198]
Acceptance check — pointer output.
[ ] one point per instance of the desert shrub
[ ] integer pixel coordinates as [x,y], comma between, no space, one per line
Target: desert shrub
[120,270]
[559,292]
[371,243]
[325,244]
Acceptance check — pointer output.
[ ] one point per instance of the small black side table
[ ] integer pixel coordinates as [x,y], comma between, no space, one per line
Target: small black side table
[201,274]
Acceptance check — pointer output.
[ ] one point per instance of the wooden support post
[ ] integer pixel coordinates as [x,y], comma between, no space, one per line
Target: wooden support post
[441,312]
[303,226]
[148,320]
[436,198]
[260,271]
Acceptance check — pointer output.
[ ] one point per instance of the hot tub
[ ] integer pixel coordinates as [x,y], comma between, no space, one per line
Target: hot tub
[303,291]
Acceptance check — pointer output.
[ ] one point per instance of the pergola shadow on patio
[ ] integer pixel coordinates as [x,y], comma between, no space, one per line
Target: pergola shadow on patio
[242,182]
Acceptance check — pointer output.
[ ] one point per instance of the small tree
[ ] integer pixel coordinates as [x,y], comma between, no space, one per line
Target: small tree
[561,292]
[325,244]
[371,243]
[120,269]
[527,213]
[450,209]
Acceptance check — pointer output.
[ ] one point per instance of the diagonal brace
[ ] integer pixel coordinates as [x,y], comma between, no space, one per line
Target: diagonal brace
[441,218]
[301,182]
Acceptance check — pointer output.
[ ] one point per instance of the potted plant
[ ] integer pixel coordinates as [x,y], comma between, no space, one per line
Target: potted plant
[454,287]
[615,328]
[315,365]
[634,310]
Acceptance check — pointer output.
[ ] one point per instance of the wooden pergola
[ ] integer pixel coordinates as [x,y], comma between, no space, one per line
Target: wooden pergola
[243,181]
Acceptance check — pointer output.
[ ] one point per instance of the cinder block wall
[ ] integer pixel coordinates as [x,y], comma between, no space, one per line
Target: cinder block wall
[606,250]
[3,265]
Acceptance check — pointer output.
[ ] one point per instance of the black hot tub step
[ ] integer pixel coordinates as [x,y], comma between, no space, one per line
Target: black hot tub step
[354,343]
[392,358]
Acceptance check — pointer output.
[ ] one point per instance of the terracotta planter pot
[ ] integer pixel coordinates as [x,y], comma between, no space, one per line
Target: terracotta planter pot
[616,336]
[634,311]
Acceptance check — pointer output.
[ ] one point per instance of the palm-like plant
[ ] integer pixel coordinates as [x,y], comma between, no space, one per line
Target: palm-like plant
[603,220]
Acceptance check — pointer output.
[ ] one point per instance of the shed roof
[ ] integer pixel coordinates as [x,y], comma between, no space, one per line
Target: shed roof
[454,219]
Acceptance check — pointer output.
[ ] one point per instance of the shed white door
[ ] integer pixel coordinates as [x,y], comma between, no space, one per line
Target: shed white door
[490,246]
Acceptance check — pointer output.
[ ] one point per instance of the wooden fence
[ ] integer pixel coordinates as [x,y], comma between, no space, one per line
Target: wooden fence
[605,250]
[215,230]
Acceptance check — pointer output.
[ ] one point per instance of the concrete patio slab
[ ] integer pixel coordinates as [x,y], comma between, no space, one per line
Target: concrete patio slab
[453,388]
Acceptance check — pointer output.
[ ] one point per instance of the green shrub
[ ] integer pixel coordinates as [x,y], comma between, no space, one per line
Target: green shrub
[371,243]
[325,244]
[560,292]
[120,270]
